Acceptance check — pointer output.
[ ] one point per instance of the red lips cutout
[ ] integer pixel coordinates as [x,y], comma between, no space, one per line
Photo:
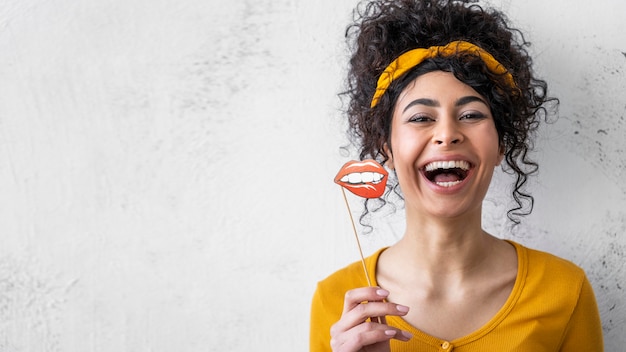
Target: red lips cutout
[366,178]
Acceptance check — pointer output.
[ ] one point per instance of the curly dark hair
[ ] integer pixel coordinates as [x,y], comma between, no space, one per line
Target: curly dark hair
[384,29]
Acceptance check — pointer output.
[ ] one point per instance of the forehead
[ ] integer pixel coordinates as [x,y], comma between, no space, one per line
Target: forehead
[440,86]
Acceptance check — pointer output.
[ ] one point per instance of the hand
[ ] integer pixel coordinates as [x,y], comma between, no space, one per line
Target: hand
[355,333]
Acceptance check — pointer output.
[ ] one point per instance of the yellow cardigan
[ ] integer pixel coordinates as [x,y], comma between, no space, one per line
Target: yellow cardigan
[551,308]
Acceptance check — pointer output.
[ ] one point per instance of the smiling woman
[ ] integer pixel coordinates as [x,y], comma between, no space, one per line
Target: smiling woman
[443,92]
[439,122]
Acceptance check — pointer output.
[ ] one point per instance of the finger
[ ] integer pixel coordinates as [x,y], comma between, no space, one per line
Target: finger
[363,294]
[363,311]
[375,311]
[379,320]
[367,334]
[356,342]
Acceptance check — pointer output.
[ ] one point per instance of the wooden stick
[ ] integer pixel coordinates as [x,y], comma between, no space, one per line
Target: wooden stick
[378,320]
[356,236]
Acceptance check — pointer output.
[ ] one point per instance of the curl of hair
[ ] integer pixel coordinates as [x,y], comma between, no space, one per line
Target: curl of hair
[384,29]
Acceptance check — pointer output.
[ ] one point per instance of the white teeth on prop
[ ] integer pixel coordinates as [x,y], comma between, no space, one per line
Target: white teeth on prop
[362,177]
[354,178]
[448,184]
[367,177]
[452,164]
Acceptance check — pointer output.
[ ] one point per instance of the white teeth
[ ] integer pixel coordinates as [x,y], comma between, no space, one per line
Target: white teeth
[448,184]
[365,177]
[452,164]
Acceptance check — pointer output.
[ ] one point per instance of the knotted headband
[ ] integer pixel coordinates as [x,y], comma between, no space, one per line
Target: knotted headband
[414,57]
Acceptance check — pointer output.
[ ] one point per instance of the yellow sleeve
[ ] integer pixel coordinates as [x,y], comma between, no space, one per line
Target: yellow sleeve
[327,304]
[322,318]
[584,330]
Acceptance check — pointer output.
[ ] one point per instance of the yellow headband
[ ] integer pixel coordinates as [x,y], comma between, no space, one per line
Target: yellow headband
[414,57]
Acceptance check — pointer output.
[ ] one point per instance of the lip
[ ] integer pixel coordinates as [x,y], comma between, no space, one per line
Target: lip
[350,177]
[451,189]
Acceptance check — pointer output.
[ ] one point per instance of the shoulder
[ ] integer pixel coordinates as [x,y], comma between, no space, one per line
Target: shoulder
[548,281]
[545,265]
[349,277]
[331,291]
[556,292]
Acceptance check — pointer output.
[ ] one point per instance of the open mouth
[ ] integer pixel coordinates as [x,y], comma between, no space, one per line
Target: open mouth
[447,173]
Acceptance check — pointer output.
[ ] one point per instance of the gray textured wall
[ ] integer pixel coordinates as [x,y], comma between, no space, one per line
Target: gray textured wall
[166,168]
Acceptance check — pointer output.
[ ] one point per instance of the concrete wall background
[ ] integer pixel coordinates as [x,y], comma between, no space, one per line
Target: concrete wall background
[166,168]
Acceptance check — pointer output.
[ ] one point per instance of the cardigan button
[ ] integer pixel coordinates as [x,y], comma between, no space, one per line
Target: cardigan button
[445,345]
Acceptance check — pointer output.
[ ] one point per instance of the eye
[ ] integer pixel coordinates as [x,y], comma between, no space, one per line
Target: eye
[472,116]
[420,118]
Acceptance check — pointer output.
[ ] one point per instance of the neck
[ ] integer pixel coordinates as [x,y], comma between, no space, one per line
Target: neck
[444,249]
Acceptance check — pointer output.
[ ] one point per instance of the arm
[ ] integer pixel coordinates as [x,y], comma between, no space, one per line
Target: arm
[584,330]
[321,320]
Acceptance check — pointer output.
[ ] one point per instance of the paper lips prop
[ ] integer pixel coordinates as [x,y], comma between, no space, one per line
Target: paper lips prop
[366,178]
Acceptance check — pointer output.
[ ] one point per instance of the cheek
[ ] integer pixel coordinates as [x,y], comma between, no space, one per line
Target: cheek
[496,151]
[490,141]
[406,158]
[406,145]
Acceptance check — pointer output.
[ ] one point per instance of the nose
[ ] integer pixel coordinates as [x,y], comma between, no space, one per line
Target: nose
[447,132]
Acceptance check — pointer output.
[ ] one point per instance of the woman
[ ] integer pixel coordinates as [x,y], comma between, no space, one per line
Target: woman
[442,92]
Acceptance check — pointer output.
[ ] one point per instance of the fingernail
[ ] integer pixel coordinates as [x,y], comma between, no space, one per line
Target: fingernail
[407,335]
[403,309]
[382,293]
[390,332]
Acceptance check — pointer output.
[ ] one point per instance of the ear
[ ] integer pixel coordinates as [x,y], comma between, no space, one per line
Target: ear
[387,150]
[501,154]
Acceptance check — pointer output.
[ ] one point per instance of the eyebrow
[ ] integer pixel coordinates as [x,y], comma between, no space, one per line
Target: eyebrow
[469,99]
[434,103]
